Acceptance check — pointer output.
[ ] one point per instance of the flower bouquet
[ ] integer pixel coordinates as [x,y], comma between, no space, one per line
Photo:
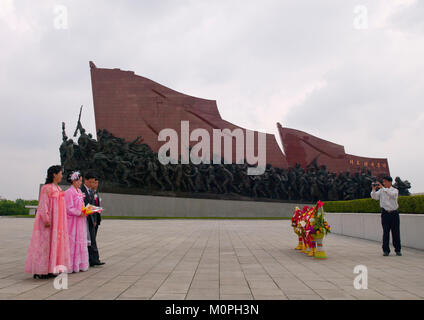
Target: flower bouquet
[311,227]
[298,226]
[320,228]
[307,232]
[90,209]
[296,229]
[318,222]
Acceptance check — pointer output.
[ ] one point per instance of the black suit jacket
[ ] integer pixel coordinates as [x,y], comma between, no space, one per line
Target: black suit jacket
[98,204]
[88,200]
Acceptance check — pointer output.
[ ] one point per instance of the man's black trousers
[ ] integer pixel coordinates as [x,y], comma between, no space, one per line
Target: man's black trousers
[390,222]
[93,252]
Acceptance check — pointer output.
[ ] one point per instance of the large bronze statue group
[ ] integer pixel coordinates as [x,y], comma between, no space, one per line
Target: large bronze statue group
[133,165]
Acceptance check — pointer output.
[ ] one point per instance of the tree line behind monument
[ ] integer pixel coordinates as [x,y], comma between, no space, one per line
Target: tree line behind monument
[132,167]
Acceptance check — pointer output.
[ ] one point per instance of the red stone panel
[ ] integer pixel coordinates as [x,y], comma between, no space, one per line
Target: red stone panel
[301,147]
[129,105]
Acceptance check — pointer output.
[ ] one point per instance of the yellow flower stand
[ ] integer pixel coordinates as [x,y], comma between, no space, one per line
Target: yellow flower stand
[306,249]
[319,253]
[313,249]
[303,248]
[299,244]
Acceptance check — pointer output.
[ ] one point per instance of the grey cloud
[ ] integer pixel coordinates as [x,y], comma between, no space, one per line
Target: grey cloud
[409,19]
[254,58]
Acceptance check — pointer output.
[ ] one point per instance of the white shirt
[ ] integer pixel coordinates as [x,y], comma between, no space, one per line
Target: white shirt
[388,198]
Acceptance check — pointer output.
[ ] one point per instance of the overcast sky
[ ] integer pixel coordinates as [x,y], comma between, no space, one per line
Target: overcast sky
[351,72]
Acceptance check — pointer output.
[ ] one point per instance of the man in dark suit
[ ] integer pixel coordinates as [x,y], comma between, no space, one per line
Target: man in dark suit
[92,223]
[97,201]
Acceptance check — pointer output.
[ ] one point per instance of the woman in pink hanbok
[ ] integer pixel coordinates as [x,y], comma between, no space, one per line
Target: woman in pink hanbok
[77,224]
[48,252]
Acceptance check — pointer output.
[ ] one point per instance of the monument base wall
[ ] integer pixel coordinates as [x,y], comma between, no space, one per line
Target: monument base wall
[160,206]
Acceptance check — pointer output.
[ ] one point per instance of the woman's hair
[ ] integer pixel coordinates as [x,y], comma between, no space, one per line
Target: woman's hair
[74,176]
[51,171]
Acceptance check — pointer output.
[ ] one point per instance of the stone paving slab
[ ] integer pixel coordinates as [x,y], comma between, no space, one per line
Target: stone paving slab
[213,259]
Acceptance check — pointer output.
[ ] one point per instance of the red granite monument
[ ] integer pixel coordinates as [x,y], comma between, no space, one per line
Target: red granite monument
[128,106]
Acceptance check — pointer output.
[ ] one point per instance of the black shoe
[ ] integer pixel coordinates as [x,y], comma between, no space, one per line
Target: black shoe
[398,253]
[385,254]
[100,263]
[40,276]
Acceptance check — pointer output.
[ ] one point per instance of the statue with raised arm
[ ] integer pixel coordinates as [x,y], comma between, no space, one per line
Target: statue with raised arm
[402,186]
[63,145]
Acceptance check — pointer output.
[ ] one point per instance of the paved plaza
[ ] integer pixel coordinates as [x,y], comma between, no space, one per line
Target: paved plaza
[213,259]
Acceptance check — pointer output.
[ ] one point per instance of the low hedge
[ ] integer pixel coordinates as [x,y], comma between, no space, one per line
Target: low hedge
[8,207]
[407,204]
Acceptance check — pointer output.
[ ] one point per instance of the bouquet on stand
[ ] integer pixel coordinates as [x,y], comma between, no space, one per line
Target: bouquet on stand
[310,226]
[307,232]
[297,227]
[320,229]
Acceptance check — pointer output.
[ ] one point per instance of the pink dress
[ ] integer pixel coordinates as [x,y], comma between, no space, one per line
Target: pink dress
[48,250]
[77,227]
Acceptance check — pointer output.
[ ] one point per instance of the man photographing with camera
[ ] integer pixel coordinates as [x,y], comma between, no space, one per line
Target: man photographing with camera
[388,196]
